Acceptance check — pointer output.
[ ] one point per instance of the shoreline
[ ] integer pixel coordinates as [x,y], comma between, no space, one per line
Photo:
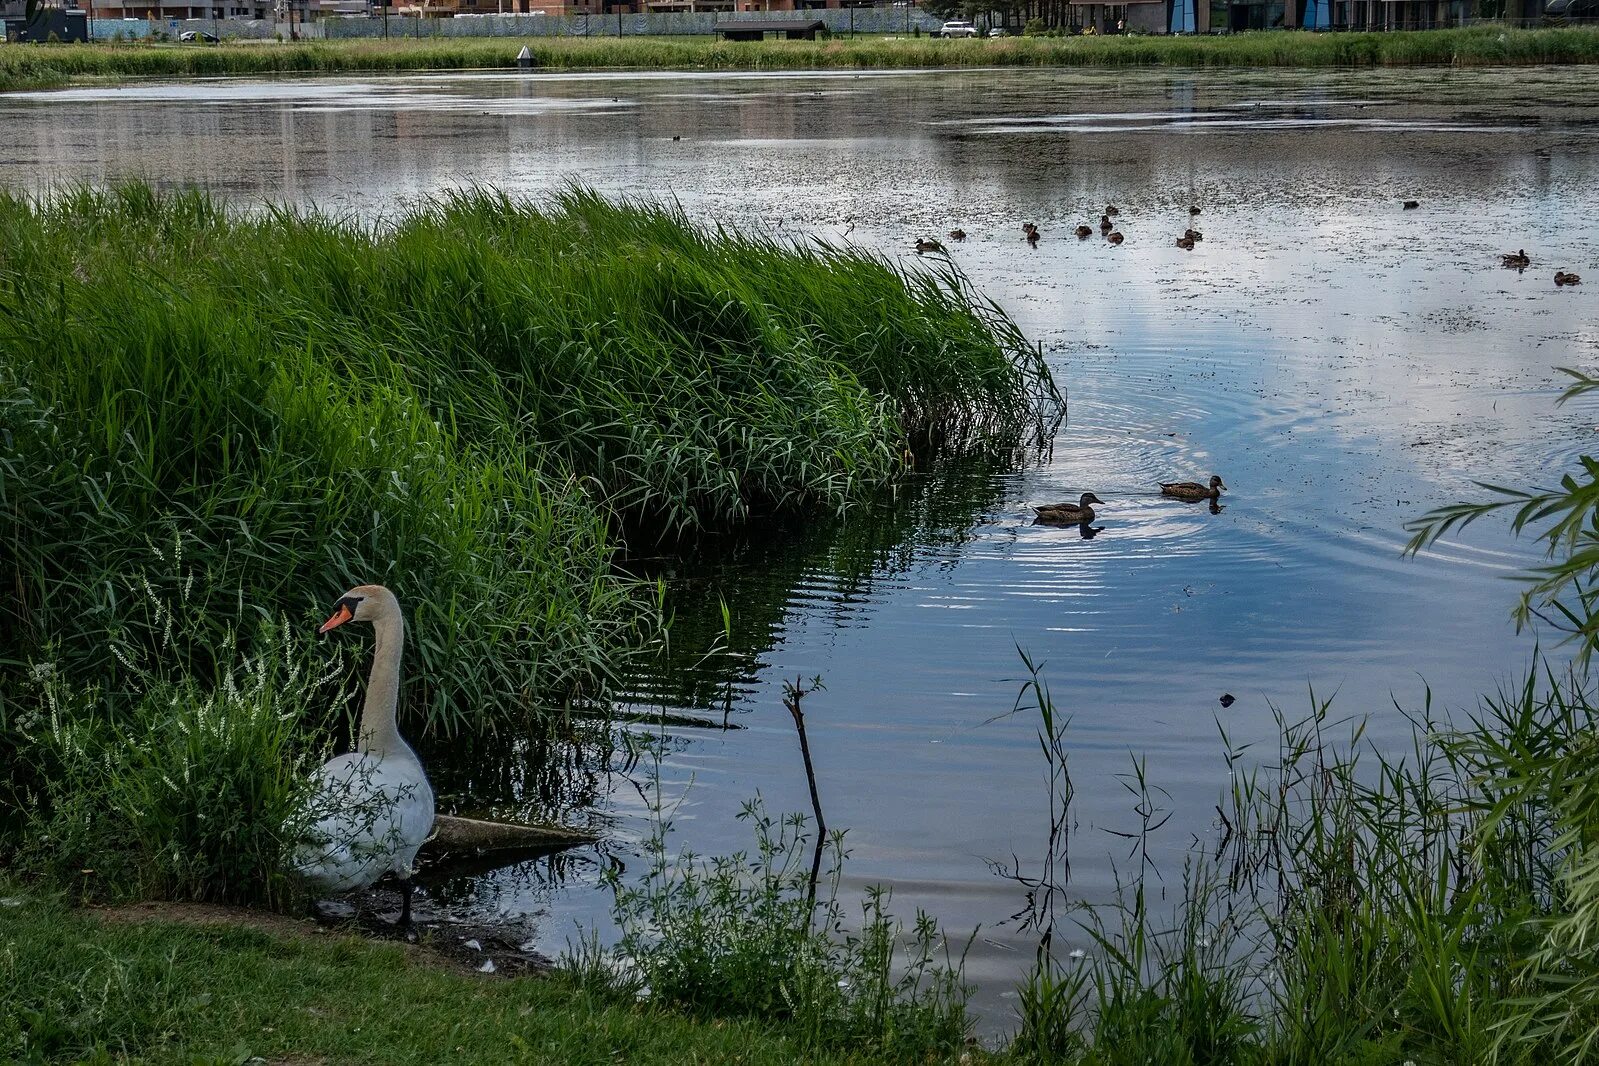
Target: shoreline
[41,67]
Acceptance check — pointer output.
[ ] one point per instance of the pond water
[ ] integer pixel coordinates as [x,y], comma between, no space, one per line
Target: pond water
[1343,363]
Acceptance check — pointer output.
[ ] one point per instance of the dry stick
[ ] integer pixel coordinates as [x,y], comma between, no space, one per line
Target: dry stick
[791,700]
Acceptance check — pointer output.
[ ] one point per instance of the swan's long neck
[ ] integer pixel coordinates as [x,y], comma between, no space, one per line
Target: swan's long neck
[379,734]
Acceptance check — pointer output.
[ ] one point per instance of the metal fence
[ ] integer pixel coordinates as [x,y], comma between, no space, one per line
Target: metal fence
[890,20]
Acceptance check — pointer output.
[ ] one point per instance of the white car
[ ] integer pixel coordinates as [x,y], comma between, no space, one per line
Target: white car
[958,28]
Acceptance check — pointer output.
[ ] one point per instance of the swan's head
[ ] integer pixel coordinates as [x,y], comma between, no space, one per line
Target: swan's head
[1215,482]
[364,603]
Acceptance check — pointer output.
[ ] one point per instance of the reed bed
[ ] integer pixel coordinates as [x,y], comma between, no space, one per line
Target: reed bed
[473,403]
[1354,905]
[47,66]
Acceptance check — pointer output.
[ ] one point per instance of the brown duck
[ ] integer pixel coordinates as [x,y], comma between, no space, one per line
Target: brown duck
[1518,260]
[1114,237]
[957,235]
[1084,231]
[1563,278]
[1067,514]
[1192,491]
[923,247]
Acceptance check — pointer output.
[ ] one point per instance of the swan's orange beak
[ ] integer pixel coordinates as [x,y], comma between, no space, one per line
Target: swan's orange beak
[340,616]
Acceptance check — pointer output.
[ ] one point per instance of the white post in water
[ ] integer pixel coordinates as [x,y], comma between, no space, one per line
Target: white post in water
[524,58]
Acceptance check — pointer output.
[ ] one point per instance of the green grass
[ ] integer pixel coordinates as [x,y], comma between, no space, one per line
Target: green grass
[73,989]
[47,66]
[473,404]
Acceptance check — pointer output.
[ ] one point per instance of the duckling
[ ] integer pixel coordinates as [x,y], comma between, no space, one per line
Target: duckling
[1518,259]
[1194,235]
[1105,224]
[923,247]
[1067,514]
[1192,491]
[1185,243]
[1113,237]
[1411,205]
[1563,278]
[957,235]
[1193,210]
[1110,210]
[1084,231]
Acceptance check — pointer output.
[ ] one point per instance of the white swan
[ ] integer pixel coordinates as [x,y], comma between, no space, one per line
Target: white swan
[373,807]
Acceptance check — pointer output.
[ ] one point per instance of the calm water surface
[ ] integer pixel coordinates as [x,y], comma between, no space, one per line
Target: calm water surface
[1342,363]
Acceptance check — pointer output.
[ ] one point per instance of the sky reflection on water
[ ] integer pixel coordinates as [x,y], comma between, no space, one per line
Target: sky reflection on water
[1343,364]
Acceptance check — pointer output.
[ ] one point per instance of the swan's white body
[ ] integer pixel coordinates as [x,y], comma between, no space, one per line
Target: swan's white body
[373,807]
[372,814]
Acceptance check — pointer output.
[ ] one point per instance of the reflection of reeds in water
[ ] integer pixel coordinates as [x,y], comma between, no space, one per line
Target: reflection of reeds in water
[840,559]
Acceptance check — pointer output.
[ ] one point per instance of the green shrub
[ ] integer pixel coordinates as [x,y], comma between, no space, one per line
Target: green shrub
[747,936]
[194,788]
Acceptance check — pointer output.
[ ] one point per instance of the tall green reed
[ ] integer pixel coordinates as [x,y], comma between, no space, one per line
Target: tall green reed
[470,403]
[1357,904]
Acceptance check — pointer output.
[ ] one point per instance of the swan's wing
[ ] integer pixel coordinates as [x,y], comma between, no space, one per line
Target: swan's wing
[348,821]
[367,816]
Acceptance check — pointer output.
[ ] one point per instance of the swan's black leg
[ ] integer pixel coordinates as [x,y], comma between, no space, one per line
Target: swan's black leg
[405,903]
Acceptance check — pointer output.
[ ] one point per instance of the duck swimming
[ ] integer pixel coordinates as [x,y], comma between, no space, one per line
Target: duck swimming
[1067,514]
[1517,260]
[1084,231]
[1114,237]
[1563,278]
[957,235]
[1192,491]
[1186,243]
[923,247]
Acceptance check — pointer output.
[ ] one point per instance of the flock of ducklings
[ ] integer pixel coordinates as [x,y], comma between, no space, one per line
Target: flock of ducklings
[1518,260]
[1082,512]
[1032,234]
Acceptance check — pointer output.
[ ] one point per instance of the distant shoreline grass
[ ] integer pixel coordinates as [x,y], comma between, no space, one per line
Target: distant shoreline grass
[53,66]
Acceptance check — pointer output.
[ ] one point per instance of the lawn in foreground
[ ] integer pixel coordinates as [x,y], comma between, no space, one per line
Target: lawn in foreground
[73,987]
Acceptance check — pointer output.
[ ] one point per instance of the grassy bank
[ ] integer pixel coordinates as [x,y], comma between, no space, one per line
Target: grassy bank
[212,422]
[73,989]
[1354,907]
[55,65]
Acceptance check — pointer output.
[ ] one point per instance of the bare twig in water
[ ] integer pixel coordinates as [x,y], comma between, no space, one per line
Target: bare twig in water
[793,693]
